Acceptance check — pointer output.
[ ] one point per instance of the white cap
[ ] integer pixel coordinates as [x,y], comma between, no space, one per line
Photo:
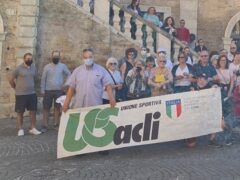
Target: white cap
[162,50]
[111,60]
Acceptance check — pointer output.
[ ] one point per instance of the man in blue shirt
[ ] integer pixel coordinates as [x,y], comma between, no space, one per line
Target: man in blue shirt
[205,68]
[52,83]
[206,75]
[87,82]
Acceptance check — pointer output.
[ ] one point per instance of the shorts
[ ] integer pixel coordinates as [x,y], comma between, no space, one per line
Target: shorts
[51,96]
[28,102]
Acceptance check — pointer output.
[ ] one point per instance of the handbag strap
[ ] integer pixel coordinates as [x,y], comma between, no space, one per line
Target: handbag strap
[222,76]
[111,76]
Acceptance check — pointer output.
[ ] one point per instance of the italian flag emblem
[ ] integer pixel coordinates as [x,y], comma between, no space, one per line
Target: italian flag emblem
[173,108]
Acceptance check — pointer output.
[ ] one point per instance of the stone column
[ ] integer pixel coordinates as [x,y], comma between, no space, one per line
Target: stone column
[101,10]
[2,38]
[164,42]
[28,12]
[189,12]
[226,43]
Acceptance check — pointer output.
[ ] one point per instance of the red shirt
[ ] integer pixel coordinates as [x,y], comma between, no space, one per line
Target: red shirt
[183,34]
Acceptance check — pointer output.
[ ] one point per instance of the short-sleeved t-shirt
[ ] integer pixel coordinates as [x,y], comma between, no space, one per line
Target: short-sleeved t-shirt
[53,76]
[89,85]
[209,70]
[25,77]
[185,81]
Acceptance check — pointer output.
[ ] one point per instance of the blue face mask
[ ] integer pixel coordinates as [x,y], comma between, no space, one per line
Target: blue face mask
[88,62]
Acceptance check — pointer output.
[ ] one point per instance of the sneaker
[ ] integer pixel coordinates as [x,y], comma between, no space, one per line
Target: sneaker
[20,132]
[44,129]
[34,131]
[228,143]
[214,143]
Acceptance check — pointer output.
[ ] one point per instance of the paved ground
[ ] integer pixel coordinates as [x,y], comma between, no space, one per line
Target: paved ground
[34,158]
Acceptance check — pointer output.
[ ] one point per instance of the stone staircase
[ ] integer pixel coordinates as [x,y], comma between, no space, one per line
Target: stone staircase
[101,19]
[122,26]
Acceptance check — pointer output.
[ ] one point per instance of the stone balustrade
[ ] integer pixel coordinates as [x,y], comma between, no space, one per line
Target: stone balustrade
[131,25]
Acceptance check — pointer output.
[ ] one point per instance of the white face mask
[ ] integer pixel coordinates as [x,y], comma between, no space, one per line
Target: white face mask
[143,52]
[88,62]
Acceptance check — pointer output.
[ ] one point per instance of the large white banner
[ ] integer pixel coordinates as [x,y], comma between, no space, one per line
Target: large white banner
[139,122]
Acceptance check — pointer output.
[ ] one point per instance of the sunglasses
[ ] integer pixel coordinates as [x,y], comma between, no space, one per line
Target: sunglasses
[112,64]
[162,61]
[131,54]
[161,52]
[181,57]
[150,64]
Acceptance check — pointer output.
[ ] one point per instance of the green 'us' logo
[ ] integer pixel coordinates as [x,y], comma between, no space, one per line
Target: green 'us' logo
[95,119]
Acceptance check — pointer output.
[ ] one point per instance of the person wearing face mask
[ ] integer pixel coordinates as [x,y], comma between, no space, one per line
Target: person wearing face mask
[88,82]
[136,81]
[52,83]
[145,53]
[23,81]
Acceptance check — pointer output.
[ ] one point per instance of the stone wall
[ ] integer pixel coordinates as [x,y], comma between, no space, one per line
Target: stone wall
[213,17]
[8,11]
[64,27]
[19,19]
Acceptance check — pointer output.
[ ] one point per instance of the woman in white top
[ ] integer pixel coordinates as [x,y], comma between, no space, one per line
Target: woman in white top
[182,75]
[235,69]
[226,82]
[111,67]
[225,77]
[235,65]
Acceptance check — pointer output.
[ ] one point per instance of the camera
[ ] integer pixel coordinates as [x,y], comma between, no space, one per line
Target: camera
[139,69]
[136,93]
[237,73]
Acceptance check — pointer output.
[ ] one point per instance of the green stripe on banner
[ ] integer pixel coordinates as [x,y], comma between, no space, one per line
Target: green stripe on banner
[169,111]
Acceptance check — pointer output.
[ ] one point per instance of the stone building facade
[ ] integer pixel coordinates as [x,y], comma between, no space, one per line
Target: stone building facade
[40,26]
[211,20]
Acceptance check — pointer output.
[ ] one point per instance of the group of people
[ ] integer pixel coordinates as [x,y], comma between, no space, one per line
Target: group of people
[132,77]
[23,81]
[152,18]
[128,78]
[168,25]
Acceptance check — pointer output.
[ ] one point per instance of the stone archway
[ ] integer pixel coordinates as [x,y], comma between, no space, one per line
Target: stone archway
[2,38]
[227,36]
